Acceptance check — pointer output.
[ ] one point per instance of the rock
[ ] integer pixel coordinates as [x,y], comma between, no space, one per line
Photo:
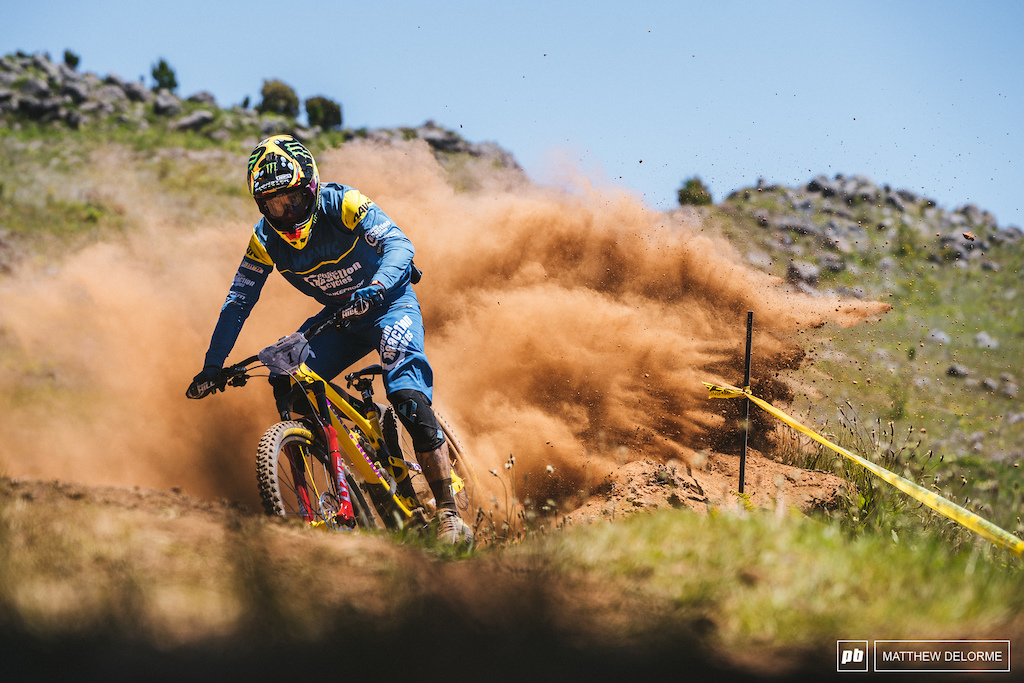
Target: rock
[307,134]
[801,226]
[274,125]
[109,94]
[193,121]
[440,139]
[1009,389]
[802,271]
[137,92]
[938,337]
[1008,235]
[36,87]
[203,97]
[989,384]
[74,119]
[40,61]
[76,91]
[854,292]
[7,97]
[832,263]
[37,108]
[983,341]
[166,104]
[908,196]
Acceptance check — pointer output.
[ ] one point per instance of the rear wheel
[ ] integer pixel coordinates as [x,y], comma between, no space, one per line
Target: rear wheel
[399,442]
[295,480]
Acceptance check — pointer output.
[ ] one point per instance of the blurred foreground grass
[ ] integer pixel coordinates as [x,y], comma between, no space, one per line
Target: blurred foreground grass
[743,591]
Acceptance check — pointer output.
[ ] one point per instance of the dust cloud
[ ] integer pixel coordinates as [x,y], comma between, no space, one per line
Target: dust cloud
[570,329]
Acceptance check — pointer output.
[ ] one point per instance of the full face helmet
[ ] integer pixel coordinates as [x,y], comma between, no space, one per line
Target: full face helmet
[285,183]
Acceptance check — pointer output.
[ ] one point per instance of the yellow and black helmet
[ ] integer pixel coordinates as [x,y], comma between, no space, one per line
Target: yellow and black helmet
[284,181]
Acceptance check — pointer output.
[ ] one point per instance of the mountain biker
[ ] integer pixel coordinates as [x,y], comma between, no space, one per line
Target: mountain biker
[335,245]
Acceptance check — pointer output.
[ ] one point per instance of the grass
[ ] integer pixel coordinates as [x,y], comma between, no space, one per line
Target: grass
[760,580]
[729,586]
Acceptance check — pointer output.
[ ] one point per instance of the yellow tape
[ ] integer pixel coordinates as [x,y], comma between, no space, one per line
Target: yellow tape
[951,510]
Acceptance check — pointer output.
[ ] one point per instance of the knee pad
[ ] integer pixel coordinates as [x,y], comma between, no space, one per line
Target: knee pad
[413,409]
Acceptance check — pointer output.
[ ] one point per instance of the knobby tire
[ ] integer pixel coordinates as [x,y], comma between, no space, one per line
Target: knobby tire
[280,492]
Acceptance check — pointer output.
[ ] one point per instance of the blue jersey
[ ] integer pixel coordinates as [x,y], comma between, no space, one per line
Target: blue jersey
[352,243]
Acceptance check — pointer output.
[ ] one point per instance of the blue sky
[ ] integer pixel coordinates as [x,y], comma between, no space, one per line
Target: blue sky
[927,96]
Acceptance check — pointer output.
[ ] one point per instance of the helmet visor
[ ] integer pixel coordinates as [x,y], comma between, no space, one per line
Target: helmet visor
[287,208]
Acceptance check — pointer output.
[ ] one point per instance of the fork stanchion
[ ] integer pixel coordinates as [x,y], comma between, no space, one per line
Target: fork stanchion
[746,401]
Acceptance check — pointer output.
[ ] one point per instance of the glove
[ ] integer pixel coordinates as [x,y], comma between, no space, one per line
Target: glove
[361,302]
[205,383]
[373,292]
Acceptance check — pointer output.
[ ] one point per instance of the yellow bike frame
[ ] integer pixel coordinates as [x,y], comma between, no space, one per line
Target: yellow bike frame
[355,455]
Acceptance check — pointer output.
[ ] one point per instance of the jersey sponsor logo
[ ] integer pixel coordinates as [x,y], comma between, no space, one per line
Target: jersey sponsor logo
[374,234]
[235,298]
[394,342]
[256,249]
[252,266]
[354,207]
[331,280]
[241,281]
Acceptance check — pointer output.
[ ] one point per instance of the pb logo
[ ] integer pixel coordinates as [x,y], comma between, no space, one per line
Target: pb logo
[851,655]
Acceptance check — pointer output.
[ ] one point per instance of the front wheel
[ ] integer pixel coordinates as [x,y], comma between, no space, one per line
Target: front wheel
[295,480]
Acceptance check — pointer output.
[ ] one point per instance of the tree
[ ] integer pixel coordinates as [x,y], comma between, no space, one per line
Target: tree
[70,59]
[164,76]
[323,112]
[694,192]
[278,98]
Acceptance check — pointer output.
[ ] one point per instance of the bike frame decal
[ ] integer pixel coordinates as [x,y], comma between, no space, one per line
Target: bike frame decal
[345,512]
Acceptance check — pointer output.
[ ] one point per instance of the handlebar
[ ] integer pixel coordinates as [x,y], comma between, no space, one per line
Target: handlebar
[237,375]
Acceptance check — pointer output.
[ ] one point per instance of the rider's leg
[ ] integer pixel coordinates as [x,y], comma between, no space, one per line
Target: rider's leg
[413,409]
[409,380]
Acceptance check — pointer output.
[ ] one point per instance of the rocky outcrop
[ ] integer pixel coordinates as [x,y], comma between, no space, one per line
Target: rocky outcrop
[844,224]
[34,88]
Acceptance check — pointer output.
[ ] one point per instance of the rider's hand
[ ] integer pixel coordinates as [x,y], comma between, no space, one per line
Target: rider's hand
[373,292]
[205,383]
[360,303]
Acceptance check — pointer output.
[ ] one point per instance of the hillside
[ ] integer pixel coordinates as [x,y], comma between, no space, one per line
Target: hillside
[570,334]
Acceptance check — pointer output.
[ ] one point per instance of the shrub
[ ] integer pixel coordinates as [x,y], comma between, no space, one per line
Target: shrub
[278,98]
[323,112]
[694,192]
[70,59]
[164,76]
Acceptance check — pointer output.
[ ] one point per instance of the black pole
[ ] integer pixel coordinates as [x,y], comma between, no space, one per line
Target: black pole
[746,401]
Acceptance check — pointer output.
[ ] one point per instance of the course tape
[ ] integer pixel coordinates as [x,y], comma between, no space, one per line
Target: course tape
[944,507]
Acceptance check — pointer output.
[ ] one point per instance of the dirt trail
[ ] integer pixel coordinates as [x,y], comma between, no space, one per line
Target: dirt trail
[568,328]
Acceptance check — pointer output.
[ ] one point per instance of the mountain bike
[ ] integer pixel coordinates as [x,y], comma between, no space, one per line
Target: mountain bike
[333,450]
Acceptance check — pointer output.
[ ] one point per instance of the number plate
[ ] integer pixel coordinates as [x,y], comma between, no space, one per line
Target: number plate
[286,355]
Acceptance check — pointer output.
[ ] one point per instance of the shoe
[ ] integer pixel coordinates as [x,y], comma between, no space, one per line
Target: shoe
[452,530]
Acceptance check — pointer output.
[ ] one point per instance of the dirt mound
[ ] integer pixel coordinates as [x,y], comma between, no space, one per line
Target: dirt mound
[712,482]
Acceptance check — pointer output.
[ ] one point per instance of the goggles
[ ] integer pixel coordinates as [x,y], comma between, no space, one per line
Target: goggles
[287,208]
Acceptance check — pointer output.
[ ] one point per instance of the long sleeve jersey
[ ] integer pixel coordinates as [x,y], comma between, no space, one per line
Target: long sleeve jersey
[352,243]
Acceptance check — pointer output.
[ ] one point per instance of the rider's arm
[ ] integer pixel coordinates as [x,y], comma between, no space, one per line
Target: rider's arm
[359,214]
[245,291]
